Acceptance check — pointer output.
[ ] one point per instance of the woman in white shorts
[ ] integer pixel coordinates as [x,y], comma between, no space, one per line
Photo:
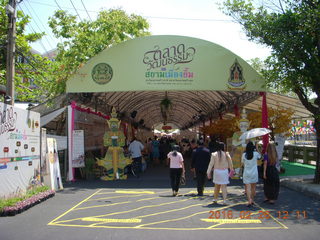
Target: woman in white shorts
[250,172]
[220,163]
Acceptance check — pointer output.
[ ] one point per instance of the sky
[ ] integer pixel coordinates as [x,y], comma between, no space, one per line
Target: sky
[193,18]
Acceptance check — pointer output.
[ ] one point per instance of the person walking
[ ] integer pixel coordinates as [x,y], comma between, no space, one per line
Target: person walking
[250,173]
[271,182]
[220,163]
[135,149]
[176,169]
[199,165]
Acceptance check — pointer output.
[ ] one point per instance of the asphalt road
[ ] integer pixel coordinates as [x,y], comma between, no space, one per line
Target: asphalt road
[144,209]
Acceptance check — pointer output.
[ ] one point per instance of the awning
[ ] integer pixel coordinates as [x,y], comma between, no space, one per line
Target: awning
[49,117]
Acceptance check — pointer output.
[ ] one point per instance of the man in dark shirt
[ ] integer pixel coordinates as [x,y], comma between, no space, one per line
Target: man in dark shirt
[213,144]
[200,161]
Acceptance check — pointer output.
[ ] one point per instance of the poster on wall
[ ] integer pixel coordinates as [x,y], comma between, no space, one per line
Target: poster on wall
[44,166]
[78,149]
[53,159]
[19,150]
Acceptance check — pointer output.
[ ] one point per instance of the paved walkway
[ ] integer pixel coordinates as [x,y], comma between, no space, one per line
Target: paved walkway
[303,184]
[143,208]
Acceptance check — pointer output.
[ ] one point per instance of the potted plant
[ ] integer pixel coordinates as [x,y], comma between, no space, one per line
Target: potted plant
[89,168]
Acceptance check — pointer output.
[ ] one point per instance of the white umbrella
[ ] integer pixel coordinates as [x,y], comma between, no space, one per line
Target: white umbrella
[255,132]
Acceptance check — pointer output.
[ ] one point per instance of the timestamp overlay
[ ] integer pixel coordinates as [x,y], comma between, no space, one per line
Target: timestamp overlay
[157,210]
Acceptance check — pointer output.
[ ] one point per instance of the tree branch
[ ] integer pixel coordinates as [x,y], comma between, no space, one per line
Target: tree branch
[304,100]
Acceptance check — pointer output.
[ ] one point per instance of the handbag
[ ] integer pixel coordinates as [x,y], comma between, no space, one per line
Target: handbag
[183,179]
[126,169]
[231,173]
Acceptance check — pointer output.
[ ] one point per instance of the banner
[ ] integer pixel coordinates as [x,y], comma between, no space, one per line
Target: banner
[19,150]
[44,160]
[52,155]
[164,63]
[78,149]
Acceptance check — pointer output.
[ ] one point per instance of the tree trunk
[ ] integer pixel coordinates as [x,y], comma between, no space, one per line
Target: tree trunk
[315,110]
[317,157]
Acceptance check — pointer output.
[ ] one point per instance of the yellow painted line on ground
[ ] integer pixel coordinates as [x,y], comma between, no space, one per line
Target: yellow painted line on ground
[112,220]
[50,223]
[193,229]
[135,192]
[102,193]
[205,191]
[164,228]
[122,196]
[231,220]
[146,199]
[251,214]
[61,223]
[172,210]
[185,217]
[276,220]
[115,197]
[103,205]
[131,210]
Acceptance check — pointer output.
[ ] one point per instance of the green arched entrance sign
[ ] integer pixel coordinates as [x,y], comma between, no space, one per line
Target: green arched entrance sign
[165,63]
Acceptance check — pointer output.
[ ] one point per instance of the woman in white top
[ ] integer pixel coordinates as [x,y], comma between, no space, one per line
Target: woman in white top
[176,169]
[220,162]
[250,172]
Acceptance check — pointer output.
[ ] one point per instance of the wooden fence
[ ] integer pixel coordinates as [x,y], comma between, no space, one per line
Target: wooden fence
[295,153]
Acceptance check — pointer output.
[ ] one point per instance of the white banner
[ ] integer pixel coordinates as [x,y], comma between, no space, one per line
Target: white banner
[52,155]
[44,160]
[19,149]
[78,149]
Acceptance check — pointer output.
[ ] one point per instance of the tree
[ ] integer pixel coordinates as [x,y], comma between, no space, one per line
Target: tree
[291,29]
[279,120]
[85,39]
[222,127]
[34,68]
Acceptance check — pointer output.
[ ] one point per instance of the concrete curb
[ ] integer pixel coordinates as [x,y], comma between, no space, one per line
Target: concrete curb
[304,186]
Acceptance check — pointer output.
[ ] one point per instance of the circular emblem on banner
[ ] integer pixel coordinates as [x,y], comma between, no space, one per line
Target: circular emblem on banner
[102,73]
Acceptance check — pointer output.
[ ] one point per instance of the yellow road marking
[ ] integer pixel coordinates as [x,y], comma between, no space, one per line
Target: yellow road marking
[146,199]
[103,205]
[111,220]
[276,220]
[50,223]
[173,210]
[143,226]
[205,191]
[101,193]
[123,196]
[163,228]
[232,220]
[185,217]
[131,210]
[136,192]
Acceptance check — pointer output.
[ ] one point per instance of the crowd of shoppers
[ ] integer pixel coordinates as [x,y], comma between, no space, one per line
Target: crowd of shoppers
[212,162]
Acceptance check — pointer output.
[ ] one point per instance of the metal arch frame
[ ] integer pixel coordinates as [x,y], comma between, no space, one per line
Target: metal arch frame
[147,106]
[146,102]
[175,118]
[152,99]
